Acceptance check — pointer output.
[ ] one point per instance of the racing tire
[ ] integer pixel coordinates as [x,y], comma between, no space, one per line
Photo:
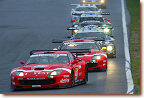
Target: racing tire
[13,88]
[86,76]
[104,69]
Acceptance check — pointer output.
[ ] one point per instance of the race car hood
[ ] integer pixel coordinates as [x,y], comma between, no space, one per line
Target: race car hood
[42,67]
[94,38]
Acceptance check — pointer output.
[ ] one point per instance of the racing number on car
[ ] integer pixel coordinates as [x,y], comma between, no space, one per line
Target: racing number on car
[76,73]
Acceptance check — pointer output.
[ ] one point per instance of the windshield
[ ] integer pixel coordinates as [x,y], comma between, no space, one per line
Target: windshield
[91,23]
[48,58]
[80,45]
[100,19]
[98,35]
[86,9]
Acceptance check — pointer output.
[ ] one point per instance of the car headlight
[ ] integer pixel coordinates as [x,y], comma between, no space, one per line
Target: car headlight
[102,1]
[98,57]
[76,31]
[19,73]
[106,30]
[83,1]
[109,48]
[56,72]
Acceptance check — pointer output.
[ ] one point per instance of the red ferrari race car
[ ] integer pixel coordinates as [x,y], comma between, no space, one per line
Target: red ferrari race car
[95,59]
[49,68]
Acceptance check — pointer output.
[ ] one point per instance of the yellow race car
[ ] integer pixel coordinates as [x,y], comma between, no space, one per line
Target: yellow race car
[100,3]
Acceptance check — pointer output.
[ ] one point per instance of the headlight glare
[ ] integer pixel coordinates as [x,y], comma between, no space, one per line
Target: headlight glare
[102,1]
[98,57]
[109,48]
[76,31]
[56,72]
[84,1]
[106,30]
[19,73]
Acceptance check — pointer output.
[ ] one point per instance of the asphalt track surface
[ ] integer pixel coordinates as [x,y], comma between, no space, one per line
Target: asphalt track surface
[31,24]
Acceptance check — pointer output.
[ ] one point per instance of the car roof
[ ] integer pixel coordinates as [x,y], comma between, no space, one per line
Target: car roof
[79,40]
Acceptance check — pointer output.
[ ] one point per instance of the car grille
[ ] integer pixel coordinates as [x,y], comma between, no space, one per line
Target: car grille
[37,82]
[77,14]
[90,65]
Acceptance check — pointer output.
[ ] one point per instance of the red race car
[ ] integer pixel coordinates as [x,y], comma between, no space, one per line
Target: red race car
[49,68]
[95,59]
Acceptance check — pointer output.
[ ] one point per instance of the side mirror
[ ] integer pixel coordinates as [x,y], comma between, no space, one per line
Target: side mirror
[112,36]
[75,61]
[105,13]
[22,62]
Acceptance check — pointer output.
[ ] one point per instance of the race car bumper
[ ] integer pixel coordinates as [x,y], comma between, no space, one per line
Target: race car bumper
[39,82]
[97,64]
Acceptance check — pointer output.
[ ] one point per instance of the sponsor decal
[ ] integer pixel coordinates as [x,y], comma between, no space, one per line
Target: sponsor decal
[94,61]
[13,83]
[35,78]
[80,74]
[64,81]
[50,76]
[79,67]
[104,60]
[36,85]
[66,76]
[76,72]
[104,64]
[19,78]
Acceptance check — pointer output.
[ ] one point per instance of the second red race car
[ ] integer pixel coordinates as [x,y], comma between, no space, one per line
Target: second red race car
[49,69]
[95,59]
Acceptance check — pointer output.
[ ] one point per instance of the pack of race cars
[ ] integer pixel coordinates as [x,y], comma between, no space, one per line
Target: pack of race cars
[89,46]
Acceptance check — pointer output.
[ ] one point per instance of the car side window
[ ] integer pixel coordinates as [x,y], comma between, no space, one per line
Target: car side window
[71,57]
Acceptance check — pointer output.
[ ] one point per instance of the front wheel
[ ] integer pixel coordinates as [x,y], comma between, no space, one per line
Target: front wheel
[72,79]
[104,69]
[86,76]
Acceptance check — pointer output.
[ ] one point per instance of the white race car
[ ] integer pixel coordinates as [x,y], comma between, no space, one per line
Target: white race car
[82,9]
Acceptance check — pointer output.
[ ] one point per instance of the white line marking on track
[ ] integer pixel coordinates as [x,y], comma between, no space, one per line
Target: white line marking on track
[130,84]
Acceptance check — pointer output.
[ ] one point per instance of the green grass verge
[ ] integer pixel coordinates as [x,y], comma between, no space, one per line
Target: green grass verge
[134,9]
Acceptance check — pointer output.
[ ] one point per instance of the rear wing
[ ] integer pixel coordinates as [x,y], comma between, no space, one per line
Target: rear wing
[78,51]
[105,13]
[72,28]
[86,4]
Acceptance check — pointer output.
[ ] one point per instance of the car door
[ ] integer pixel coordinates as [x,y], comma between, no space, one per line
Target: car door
[76,67]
